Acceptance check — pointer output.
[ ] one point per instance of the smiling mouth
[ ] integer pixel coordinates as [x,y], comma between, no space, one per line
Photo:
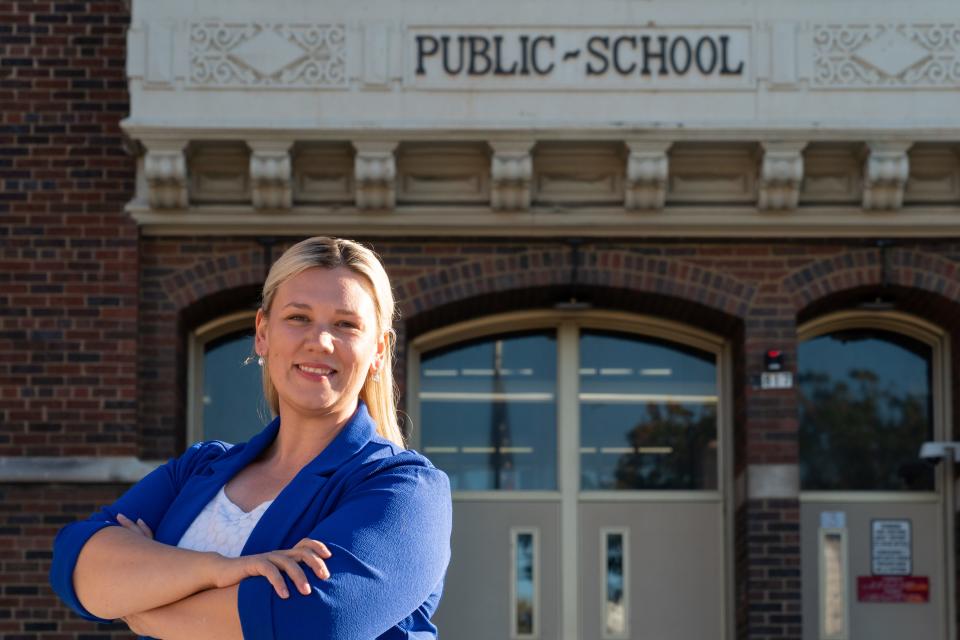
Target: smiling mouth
[316,371]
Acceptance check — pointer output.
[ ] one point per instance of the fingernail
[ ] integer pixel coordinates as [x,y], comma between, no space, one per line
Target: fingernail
[140,521]
[120,515]
[284,593]
[305,589]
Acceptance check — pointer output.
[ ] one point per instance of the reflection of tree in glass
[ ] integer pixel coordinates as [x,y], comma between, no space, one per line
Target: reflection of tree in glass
[688,430]
[856,435]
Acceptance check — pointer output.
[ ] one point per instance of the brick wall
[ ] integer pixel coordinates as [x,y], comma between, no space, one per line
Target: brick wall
[68,267]
[68,283]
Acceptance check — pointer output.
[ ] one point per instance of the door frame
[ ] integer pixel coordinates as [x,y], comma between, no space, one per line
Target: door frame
[568,325]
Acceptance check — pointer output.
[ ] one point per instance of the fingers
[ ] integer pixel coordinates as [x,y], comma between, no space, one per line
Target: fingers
[129,524]
[316,546]
[292,569]
[269,571]
[145,528]
[314,561]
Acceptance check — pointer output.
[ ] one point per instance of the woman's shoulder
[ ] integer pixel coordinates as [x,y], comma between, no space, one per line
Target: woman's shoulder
[381,456]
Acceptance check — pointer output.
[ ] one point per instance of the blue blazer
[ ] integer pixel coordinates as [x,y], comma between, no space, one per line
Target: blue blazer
[384,512]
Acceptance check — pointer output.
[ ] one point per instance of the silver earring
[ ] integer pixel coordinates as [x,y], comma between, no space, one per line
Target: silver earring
[376,376]
[260,360]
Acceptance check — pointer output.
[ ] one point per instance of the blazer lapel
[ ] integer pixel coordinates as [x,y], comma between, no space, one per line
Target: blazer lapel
[202,487]
[278,524]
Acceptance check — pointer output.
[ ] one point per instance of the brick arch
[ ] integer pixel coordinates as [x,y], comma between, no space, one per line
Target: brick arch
[907,269]
[237,270]
[550,268]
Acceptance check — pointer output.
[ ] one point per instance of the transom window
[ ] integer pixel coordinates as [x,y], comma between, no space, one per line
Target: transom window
[648,411]
[866,406]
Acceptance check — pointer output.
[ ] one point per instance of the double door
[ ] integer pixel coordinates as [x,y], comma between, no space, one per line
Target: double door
[588,465]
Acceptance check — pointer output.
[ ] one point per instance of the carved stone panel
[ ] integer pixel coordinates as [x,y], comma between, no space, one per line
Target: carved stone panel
[219,172]
[255,54]
[443,173]
[886,55]
[712,173]
[934,174]
[832,173]
[578,173]
[323,173]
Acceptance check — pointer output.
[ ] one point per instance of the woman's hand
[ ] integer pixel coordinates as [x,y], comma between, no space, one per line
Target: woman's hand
[230,571]
[139,527]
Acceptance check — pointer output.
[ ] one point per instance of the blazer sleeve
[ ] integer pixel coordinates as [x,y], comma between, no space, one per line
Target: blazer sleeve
[148,499]
[390,545]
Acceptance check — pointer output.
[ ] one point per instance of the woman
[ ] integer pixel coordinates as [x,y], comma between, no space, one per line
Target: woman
[342,533]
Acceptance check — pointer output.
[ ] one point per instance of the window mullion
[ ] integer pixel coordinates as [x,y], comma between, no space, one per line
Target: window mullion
[568,469]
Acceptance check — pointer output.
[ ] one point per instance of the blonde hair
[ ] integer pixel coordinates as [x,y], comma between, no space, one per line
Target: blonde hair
[330,253]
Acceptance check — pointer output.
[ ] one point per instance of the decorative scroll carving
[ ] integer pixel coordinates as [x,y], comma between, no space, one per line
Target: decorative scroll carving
[270,175]
[780,175]
[375,173]
[511,173]
[886,174]
[267,55]
[647,170]
[165,169]
[887,55]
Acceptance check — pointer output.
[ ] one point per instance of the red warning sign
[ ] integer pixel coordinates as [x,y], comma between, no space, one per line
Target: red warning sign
[893,589]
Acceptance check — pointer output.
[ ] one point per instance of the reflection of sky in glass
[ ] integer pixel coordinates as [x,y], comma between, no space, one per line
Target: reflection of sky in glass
[614,610]
[647,414]
[488,412]
[524,584]
[865,409]
[232,392]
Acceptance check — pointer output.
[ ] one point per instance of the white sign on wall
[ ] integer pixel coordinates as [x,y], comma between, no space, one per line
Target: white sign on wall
[891,550]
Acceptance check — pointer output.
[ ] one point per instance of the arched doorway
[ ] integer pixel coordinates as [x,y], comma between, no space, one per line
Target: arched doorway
[589,453]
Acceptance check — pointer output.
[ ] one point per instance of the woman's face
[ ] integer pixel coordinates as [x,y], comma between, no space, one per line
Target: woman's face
[320,341]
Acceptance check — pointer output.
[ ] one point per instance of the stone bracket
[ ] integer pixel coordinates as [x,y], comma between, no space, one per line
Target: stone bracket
[511,173]
[271,174]
[165,170]
[781,174]
[885,175]
[375,174]
[647,170]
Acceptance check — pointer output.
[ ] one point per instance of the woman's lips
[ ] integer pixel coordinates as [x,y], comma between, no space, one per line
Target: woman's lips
[316,372]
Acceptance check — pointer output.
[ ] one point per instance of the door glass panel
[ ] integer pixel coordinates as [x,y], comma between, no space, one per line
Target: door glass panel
[232,390]
[865,409]
[488,412]
[648,414]
[614,585]
[833,610]
[525,584]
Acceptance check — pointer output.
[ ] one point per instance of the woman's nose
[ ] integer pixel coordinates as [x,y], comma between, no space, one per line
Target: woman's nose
[323,340]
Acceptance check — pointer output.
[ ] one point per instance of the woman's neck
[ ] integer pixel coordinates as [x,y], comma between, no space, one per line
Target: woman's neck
[302,438]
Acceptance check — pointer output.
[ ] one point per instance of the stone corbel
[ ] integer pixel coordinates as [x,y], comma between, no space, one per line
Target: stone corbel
[511,173]
[886,172]
[375,174]
[165,170]
[781,174]
[271,174]
[647,171]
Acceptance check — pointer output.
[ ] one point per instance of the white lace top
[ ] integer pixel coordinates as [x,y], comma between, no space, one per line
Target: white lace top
[222,526]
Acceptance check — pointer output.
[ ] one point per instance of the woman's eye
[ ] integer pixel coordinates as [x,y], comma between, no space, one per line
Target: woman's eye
[297,318]
[347,324]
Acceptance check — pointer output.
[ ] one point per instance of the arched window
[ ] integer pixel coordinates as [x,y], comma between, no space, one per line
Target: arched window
[866,393]
[226,397]
[647,404]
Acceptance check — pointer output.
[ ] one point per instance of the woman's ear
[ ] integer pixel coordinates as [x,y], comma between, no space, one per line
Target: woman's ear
[260,338]
[381,353]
